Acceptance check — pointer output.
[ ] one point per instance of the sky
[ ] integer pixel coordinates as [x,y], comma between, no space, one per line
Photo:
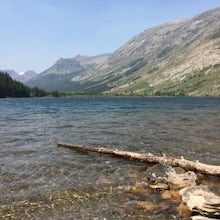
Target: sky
[34,34]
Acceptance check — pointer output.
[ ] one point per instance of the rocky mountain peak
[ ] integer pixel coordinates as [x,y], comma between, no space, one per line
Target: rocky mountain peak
[64,66]
[81,58]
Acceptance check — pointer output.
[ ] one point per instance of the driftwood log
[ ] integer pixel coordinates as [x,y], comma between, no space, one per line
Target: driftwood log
[150,158]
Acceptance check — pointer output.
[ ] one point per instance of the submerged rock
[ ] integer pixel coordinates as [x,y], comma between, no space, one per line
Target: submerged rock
[145,205]
[158,185]
[104,181]
[201,200]
[184,211]
[172,195]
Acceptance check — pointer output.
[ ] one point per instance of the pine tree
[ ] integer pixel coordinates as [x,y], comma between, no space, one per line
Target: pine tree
[13,88]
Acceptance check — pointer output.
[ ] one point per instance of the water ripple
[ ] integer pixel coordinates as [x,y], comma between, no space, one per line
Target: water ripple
[35,174]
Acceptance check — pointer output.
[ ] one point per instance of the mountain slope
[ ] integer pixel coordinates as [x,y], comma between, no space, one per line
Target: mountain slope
[164,56]
[12,73]
[28,75]
[176,58]
[60,75]
[24,78]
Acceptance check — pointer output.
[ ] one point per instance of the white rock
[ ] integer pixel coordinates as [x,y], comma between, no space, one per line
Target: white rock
[183,180]
[201,200]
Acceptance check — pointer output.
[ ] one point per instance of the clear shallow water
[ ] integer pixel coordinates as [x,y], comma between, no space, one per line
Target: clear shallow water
[38,179]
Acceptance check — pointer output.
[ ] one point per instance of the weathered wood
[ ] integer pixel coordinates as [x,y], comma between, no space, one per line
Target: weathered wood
[150,158]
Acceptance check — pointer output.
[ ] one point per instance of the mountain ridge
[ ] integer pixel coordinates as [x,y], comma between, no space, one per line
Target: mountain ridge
[162,60]
[24,78]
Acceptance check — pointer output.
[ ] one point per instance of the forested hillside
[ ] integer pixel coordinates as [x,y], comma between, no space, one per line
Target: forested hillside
[13,88]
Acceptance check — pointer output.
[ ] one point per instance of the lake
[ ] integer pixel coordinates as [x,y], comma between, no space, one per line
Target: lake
[42,181]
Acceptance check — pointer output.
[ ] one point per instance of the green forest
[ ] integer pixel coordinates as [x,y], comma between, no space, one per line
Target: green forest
[13,88]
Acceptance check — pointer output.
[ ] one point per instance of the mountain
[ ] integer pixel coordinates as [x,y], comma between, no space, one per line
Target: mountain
[176,58]
[66,74]
[64,66]
[87,60]
[28,75]
[12,73]
[25,77]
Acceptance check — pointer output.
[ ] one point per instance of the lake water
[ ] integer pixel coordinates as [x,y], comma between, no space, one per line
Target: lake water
[39,180]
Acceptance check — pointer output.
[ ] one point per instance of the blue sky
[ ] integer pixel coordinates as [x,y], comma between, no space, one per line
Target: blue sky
[34,34]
